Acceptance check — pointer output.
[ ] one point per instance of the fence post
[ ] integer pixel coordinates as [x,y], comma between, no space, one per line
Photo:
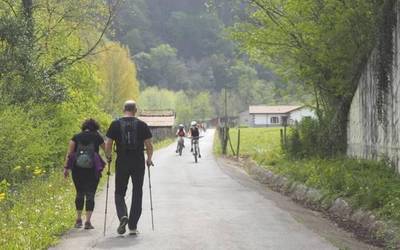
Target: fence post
[238,144]
[284,136]
[224,141]
[230,143]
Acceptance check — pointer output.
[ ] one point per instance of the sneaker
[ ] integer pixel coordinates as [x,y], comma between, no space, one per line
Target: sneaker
[78,223]
[122,225]
[88,225]
[199,155]
[191,150]
[176,151]
[133,232]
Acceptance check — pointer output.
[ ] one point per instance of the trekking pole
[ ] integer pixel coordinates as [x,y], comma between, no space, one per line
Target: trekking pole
[108,185]
[151,198]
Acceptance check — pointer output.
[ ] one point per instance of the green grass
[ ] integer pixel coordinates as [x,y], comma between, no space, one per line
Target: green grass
[39,211]
[370,185]
[261,144]
[42,210]
[163,143]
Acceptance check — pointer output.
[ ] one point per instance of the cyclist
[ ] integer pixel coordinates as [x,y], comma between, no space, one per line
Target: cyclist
[180,133]
[194,133]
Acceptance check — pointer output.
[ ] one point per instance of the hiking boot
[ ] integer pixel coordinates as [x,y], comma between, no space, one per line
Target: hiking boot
[78,223]
[88,225]
[122,225]
[133,232]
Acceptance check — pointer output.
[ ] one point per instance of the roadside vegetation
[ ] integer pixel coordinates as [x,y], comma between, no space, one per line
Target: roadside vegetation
[369,185]
[57,69]
[35,215]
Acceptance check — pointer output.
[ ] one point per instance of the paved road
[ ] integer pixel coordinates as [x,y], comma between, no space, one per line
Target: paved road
[209,205]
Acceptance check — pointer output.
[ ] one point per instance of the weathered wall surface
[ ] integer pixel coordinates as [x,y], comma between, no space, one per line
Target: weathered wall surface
[366,136]
[162,133]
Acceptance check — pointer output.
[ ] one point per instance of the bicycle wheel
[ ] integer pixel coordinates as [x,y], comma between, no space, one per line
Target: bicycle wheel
[180,150]
[195,154]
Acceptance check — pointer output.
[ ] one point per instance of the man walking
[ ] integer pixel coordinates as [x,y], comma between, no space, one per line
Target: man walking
[131,136]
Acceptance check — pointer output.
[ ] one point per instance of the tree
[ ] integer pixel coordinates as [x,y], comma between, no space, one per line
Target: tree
[161,67]
[39,42]
[154,98]
[118,77]
[321,44]
[202,107]
[196,36]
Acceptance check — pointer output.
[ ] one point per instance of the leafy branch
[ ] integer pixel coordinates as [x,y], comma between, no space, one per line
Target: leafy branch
[62,63]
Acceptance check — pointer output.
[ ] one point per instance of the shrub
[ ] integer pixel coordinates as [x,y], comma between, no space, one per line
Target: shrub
[306,135]
[25,145]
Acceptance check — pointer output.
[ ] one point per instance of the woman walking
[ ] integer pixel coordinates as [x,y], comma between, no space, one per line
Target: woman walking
[86,165]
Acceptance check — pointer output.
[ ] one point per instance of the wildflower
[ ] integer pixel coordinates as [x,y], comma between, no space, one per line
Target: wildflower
[2,196]
[38,171]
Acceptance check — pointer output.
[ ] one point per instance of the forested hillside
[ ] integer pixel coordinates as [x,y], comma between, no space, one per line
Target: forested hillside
[184,46]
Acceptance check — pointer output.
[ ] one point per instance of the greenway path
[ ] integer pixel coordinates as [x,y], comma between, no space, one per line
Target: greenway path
[211,205]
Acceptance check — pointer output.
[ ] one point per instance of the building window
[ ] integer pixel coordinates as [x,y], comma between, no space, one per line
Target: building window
[274,120]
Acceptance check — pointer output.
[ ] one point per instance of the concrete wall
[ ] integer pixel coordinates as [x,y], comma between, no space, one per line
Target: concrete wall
[299,114]
[264,120]
[161,133]
[366,136]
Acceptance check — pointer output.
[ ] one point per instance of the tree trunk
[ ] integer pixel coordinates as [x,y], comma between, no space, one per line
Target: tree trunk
[28,86]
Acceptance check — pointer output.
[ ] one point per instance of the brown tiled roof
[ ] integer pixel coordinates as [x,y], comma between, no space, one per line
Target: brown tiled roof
[158,121]
[156,113]
[261,109]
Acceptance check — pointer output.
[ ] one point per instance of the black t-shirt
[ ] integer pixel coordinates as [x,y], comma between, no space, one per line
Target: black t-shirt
[87,137]
[144,133]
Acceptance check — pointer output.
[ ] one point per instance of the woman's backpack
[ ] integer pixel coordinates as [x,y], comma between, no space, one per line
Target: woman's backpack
[84,156]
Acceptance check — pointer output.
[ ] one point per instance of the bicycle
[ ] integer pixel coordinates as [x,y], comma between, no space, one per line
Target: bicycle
[196,148]
[180,145]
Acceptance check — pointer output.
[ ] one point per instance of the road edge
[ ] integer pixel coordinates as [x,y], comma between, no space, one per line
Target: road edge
[363,224]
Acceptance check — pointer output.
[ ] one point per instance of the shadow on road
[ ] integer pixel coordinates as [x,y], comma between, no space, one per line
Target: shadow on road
[128,241]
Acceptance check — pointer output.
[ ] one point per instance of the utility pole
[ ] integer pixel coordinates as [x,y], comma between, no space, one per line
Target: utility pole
[225,129]
[226,108]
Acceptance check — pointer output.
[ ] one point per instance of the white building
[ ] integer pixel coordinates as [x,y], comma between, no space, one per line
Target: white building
[270,116]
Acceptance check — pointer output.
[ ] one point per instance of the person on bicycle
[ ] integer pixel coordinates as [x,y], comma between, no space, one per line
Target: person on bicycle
[180,133]
[194,133]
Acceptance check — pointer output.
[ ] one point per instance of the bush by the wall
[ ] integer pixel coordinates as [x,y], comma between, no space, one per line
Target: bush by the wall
[311,138]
